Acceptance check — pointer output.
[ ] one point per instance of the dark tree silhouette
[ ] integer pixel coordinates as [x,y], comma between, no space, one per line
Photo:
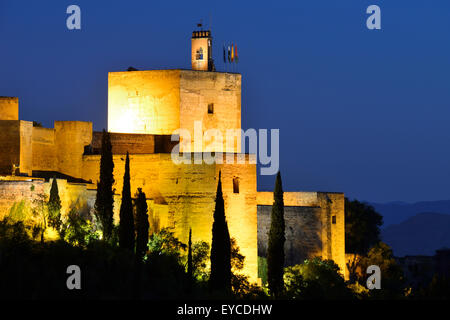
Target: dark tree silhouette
[189,262]
[126,227]
[362,232]
[220,279]
[275,250]
[362,227]
[54,207]
[104,202]
[142,225]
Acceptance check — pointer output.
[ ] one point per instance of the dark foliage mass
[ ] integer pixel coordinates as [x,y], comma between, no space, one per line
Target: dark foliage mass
[54,207]
[163,267]
[362,232]
[142,225]
[126,226]
[275,250]
[220,279]
[362,227]
[34,270]
[316,279]
[104,201]
[189,262]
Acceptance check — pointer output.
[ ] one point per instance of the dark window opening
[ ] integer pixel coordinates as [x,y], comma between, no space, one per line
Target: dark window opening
[199,54]
[333,219]
[211,108]
[235,185]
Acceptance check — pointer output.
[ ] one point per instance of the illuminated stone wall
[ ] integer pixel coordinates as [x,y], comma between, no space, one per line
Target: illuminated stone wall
[310,229]
[183,196]
[26,155]
[61,149]
[44,150]
[13,190]
[9,108]
[196,44]
[15,142]
[161,101]
[221,90]
[77,196]
[144,101]
[144,109]
[133,143]
[16,189]
[303,232]
[10,145]
[333,209]
[70,138]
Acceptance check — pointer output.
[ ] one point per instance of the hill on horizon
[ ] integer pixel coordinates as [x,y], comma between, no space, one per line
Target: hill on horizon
[397,212]
[421,234]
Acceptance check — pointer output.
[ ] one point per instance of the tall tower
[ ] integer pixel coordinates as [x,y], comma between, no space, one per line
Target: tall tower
[9,108]
[201,51]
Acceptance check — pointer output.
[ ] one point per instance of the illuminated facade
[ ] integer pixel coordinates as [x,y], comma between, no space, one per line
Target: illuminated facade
[144,109]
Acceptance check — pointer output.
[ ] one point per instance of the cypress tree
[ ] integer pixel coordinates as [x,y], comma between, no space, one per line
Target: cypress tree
[99,205]
[220,279]
[189,265]
[275,251]
[142,225]
[54,207]
[126,226]
[104,202]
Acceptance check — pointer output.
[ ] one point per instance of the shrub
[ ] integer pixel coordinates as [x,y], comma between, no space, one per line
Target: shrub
[315,279]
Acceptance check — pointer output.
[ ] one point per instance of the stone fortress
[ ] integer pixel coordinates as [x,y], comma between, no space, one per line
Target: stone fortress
[144,109]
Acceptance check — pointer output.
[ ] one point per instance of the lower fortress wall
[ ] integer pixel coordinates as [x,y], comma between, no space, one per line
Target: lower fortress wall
[10,145]
[314,226]
[179,196]
[59,149]
[15,139]
[9,108]
[44,149]
[183,196]
[14,190]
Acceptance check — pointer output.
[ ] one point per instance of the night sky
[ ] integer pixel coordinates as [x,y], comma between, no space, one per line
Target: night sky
[359,111]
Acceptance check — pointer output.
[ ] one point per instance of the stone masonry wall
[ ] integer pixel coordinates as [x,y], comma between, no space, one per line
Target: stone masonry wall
[9,108]
[13,190]
[10,145]
[320,214]
[161,101]
[70,139]
[44,149]
[144,101]
[133,143]
[188,191]
[303,233]
[198,89]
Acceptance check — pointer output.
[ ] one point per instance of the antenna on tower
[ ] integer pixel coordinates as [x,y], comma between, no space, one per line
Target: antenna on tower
[210,21]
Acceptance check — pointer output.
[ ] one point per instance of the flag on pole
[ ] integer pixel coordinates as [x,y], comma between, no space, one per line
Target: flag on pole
[224,56]
[229,54]
[232,52]
[236,57]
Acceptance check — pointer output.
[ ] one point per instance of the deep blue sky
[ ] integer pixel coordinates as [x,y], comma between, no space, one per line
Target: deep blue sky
[359,111]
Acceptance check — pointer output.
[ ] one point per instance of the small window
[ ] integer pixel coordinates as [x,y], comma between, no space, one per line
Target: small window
[211,108]
[235,185]
[333,219]
[199,54]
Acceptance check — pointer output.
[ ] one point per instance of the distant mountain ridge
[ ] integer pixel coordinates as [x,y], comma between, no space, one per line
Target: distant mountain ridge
[421,234]
[397,212]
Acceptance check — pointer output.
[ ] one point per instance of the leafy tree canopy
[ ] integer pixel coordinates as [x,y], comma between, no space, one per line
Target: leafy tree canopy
[362,227]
